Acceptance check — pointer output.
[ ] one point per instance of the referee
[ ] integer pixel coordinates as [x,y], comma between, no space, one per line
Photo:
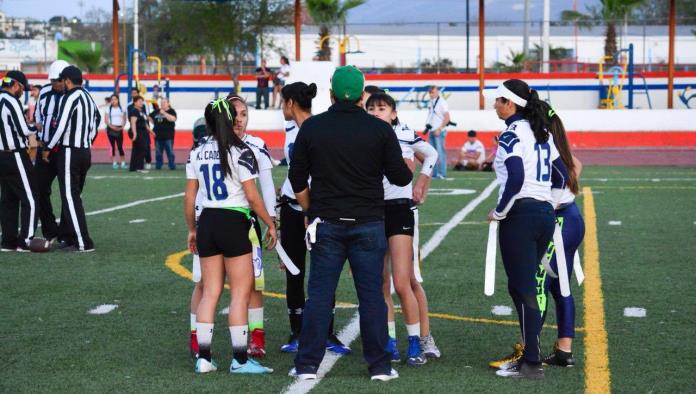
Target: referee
[16,171]
[77,128]
[46,117]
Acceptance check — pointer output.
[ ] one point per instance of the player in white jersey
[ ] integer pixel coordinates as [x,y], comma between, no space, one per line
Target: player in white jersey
[563,192]
[400,226]
[297,107]
[257,344]
[226,169]
[524,167]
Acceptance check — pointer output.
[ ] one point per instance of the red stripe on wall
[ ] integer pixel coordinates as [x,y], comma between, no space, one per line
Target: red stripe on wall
[579,139]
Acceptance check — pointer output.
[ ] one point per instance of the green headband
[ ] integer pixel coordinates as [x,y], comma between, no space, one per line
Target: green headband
[222,104]
[551,113]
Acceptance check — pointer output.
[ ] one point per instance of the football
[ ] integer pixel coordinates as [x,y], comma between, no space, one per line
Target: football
[39,245]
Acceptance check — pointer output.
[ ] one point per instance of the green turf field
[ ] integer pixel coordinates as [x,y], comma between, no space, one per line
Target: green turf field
[49,343]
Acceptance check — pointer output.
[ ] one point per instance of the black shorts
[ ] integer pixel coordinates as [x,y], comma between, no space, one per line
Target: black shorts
[398,220]
[222,231]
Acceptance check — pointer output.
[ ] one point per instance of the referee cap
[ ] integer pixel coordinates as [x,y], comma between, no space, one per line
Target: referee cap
[18,76]
[347,83]
[55,69]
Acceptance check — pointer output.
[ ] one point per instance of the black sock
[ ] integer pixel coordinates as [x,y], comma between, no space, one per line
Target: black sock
[204,352]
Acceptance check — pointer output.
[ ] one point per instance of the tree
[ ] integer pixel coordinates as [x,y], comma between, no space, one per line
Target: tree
[326,14]
[610,12]
[657,11]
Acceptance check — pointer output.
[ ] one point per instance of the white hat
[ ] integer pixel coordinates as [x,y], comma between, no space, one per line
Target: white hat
[503,91]
[55,69]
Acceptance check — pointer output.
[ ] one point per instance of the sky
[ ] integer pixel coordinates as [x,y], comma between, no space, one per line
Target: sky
[374,11]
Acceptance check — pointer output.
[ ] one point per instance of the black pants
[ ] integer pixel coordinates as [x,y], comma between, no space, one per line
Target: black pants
[140,147]
[524,236]
[148,148]
[292,240]
[73,164]
[17,199]
[44,174]
[116,141]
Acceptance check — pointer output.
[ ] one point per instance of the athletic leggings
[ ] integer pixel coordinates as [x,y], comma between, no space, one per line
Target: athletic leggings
[116,142]
[524,236]
[292,240]
[573,231]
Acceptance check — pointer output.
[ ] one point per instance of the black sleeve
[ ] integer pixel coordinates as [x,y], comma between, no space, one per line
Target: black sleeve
[298,174]
[395,169]
[171,112]
[153,113]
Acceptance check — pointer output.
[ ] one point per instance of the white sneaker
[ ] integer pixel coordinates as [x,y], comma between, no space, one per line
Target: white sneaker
[205,366]
[148,166]
[301,376]
[385,378]
[429,348]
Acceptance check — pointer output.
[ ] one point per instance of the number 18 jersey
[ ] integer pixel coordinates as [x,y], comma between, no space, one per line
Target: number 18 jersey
[218,190]
[518,140]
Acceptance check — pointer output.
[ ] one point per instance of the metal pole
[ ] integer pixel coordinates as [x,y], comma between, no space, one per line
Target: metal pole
[670,63]
[135,37]
[467,35]
[114,34]
[525,29]
[481,66]
[438,47]
[298,28]
[630,76]
[545,38]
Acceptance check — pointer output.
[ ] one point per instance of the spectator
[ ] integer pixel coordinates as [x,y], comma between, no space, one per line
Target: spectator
[115,119]
[279,80]
[164,119]
[437,121]
[472,154]
[139,134]
[33,99]
[262,76]
[488,163]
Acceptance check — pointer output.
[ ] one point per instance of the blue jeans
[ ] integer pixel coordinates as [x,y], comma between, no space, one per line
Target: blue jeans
[262,94]
[364,246]
[439,144]
[168,146]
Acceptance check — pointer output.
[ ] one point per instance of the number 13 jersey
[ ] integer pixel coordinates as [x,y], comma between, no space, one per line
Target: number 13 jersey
[218,190]
[518,140]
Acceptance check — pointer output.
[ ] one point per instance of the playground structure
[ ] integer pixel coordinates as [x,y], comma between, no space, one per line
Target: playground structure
[687,95]
[134,79]
[622,74]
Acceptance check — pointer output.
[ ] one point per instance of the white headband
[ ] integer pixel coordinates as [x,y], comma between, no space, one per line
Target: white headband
[503,91]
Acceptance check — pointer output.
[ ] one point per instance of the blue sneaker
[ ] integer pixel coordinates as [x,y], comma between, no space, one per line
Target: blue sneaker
[291,346]
[333,344]
[393,350]
[205,366]
[416,357]
[251,366]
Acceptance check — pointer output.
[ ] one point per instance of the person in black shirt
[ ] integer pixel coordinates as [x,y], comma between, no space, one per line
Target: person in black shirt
[139,134]
[263,74]
[163,120]
[347,153]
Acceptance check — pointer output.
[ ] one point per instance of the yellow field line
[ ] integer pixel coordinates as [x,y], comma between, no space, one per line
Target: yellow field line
[597,374]
[173,262]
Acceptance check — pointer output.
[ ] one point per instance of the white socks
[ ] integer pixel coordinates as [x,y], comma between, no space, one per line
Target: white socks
[193,322]
[413,329]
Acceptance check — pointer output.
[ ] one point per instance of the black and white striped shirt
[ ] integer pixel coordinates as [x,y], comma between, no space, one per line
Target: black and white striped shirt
[46,112]
[78,120]
[14,129]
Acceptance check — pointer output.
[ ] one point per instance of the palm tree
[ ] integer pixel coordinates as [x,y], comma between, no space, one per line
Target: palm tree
[326,14]
[610,12]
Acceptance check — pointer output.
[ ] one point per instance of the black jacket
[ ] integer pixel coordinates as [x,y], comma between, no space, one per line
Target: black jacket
[347,153]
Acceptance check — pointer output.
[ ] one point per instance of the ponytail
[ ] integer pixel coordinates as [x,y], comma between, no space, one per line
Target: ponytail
[219,121]
[560,139]
[534,111]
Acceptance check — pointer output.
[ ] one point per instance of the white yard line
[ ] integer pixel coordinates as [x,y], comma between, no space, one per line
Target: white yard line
[133,204]
[352,330]
[102,309]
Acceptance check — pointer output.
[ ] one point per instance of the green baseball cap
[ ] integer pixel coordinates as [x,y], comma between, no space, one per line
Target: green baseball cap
[347,83]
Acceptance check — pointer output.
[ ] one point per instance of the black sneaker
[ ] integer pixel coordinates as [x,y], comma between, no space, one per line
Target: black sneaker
[62,245]
[559,358]
[522,370]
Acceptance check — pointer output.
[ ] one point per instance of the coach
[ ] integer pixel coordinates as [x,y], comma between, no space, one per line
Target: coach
[347,153]
[77,128]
